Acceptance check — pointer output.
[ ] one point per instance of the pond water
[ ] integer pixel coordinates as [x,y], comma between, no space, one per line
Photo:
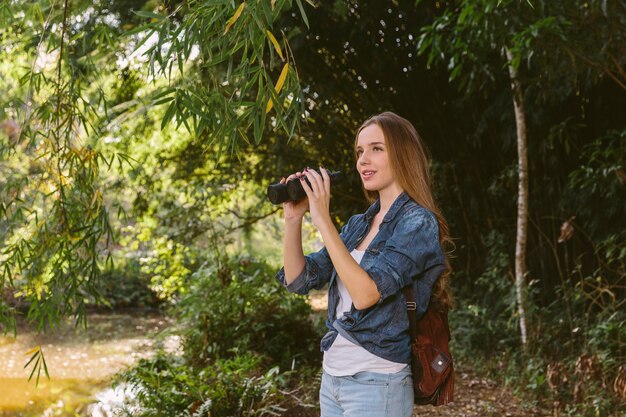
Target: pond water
[81,363]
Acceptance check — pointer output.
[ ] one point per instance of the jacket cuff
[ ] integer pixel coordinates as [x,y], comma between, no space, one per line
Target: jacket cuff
[385,284]
[298,285]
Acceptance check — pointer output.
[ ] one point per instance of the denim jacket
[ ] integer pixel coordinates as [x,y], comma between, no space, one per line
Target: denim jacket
[405,251]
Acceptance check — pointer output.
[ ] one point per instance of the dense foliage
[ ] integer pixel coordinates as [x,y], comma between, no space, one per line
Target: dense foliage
[173,202]
[458,94]
[245,345]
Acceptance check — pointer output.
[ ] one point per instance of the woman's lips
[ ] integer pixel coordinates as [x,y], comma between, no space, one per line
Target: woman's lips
[367,174]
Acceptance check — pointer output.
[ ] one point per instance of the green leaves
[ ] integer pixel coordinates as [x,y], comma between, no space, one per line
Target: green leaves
[216,67]
[226,90]
[39,363]
[149,15]
[55,222]
[470,40]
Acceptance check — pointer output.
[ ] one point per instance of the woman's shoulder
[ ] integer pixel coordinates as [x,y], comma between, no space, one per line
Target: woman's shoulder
[415,215]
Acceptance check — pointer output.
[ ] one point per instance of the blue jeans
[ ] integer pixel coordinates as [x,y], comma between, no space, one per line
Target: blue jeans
[367,394]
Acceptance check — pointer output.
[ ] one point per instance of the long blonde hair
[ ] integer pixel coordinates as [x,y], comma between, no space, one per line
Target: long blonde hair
[410,165]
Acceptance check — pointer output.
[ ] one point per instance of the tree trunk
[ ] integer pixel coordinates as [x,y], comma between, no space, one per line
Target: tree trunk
[522,196]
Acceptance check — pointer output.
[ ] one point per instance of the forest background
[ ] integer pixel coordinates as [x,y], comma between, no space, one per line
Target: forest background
[138,139]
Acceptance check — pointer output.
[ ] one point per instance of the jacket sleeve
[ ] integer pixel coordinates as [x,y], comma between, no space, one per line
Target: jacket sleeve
[411,253]
[317,270]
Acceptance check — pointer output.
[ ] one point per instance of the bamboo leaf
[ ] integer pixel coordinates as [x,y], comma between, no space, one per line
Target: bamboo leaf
[45,366]
[34,367]
[169,113]
[149,15]
[163,101]
[279,85]
[282,78]
[275,43]
[236,16]
[306,21]
[267,11]
[32,351]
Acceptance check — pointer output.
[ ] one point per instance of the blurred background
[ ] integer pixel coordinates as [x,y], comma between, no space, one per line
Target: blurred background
[138,248]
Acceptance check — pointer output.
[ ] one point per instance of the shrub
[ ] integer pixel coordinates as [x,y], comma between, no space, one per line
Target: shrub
[243,335]
[240,308]
[168,386]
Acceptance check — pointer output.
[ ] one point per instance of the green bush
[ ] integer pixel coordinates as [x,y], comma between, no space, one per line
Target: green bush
[241,308]
[168,386]
[243,336]
[577,341]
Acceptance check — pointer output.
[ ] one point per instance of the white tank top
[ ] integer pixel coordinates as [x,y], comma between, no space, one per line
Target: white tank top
[346,358]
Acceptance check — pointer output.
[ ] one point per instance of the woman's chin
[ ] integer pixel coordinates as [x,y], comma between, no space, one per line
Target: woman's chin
[370,187]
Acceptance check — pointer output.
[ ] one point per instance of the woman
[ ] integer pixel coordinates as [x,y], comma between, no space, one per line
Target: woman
[397,242]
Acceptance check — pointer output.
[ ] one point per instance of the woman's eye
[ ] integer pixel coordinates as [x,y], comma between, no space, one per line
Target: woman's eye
[376,148]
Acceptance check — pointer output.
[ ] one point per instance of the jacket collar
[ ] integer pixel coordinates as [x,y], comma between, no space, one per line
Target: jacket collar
[391,213]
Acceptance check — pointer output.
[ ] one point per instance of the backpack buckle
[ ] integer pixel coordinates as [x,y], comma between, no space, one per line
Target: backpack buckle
[411,305]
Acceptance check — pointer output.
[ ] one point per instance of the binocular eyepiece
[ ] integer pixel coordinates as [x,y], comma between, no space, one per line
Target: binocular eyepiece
[292,190]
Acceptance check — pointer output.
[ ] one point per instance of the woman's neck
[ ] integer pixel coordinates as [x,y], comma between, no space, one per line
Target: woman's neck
[387,197]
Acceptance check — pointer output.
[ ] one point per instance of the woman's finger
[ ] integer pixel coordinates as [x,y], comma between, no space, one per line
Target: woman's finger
[319,180]
[326,180]
[307,188]
[295,175]
[314,181]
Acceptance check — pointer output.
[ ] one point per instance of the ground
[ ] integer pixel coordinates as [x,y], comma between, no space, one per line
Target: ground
[473,396]
[477,397]
[81,363]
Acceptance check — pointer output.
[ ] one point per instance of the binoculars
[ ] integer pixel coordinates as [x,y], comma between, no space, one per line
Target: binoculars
[292,190]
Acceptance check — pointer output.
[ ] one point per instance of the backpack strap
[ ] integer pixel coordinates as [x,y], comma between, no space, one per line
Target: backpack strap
[411,305]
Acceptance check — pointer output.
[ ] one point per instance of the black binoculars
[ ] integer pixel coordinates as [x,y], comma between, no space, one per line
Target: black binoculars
[292,190]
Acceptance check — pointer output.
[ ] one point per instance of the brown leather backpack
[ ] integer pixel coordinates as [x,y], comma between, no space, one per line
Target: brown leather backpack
[431,361]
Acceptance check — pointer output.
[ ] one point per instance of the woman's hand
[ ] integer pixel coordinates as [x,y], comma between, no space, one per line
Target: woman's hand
[318,196]
[294,211]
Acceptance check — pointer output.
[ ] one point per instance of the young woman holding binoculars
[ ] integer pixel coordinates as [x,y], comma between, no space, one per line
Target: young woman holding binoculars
[398,241]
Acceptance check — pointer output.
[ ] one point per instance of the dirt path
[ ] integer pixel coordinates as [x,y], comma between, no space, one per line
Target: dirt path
[474,397]
[81,363]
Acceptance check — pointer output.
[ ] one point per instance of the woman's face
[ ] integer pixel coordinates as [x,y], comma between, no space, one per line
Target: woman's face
[373,160]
